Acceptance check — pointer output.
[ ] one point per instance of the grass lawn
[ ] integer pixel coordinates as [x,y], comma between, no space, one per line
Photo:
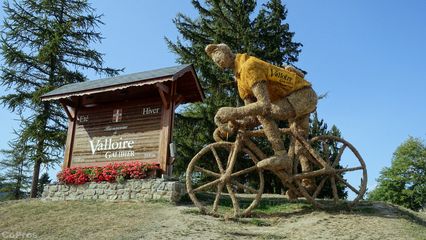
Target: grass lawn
[272,219]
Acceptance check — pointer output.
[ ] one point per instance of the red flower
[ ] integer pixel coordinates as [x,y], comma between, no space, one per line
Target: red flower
[110,172]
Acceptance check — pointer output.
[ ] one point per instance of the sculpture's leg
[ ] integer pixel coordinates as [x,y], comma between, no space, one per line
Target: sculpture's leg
[280,159]
[302,124]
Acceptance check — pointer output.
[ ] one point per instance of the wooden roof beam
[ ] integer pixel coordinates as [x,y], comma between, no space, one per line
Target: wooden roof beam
[164,94]
[163,88]
[68,102]
[70,113]
[179,99]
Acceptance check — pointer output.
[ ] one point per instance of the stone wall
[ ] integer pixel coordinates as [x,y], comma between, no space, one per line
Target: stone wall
[140,190]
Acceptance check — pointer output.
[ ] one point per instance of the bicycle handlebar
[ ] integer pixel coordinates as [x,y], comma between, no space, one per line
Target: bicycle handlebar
[216,135]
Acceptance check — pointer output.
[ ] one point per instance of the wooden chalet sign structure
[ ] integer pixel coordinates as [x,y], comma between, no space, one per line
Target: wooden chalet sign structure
[125,118]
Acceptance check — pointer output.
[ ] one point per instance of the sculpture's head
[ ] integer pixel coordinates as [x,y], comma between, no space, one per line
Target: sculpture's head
[221,54]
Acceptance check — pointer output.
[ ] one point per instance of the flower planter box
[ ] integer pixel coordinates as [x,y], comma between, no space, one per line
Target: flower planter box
[130,190]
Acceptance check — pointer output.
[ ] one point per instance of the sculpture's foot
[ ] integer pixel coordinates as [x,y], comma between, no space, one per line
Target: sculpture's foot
[309,185]
[277,162]
[292,195]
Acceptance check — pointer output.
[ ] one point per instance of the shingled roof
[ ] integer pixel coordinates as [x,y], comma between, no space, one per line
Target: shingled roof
[125,81]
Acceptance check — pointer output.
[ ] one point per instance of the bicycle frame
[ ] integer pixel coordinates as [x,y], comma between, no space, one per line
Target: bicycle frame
[243,139]
[293,179]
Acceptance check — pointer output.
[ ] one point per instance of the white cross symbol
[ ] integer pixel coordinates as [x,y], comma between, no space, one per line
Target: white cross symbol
[116,116]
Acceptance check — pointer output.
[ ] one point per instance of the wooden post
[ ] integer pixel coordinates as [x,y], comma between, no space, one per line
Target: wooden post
[72,122]
[172,122]
[167,126]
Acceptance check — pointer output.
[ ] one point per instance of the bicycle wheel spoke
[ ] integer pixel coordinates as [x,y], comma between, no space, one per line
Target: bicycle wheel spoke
[207,185]
[305,193]
[334,188]
[242,186]
[219,163]
[310,174]
[208,172]
[320,186]
[339,156]
[217,198]
[244,171]
[234,199]
[347,184]
[348,169]
[216,179]
[336,156]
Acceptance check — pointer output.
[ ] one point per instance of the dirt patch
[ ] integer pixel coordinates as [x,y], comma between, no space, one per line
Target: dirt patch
[134,220]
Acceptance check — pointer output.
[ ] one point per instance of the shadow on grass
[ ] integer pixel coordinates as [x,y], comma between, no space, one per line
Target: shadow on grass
[279,207]
[387,210]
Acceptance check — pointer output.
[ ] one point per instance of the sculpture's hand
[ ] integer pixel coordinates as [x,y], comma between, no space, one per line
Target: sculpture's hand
[223,131]
[248,122]
[227,129]
[224,115]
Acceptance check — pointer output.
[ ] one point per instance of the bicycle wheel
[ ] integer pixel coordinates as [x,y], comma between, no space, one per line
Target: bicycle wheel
[341,174]
[220,191]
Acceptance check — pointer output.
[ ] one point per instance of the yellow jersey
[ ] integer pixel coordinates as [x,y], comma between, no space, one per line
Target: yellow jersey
[250,70]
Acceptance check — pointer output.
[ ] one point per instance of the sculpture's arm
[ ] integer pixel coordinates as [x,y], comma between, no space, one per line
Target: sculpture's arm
[249,121]
[261,107]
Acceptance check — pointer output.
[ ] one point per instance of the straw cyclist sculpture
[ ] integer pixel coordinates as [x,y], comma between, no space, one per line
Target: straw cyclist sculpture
[270,93]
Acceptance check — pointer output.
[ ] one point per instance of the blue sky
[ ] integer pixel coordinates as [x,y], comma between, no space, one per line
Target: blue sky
[369,56]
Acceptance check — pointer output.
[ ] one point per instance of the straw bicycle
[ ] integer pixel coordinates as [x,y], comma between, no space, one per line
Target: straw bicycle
[213,171]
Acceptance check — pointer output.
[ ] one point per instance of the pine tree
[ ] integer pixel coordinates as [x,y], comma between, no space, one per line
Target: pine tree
[17,169]
[266,36]
[46,44]
[2,185]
